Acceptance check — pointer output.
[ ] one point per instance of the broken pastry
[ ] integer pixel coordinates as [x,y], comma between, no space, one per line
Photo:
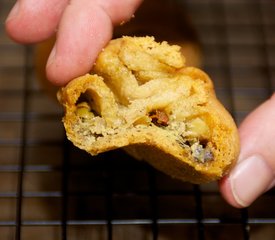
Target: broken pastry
[142,98]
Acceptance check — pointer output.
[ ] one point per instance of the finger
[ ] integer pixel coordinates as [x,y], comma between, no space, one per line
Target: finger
[32,21]
[85,28]
[254,173]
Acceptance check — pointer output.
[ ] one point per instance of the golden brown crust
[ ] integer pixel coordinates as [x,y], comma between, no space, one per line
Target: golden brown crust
[135,81]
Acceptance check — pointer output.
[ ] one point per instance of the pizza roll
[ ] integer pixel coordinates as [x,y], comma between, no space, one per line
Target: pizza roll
[141,97]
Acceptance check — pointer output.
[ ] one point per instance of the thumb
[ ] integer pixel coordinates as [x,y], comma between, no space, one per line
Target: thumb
[254,172]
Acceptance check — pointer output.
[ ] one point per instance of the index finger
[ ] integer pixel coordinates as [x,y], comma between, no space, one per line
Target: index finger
[85,28]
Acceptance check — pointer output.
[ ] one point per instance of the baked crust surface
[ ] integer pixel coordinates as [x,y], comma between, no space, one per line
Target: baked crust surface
[142,98]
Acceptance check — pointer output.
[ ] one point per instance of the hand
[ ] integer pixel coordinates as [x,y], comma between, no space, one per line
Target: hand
[254,173]
[83,28]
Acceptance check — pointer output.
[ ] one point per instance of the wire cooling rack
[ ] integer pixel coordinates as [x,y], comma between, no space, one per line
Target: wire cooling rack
[51,190]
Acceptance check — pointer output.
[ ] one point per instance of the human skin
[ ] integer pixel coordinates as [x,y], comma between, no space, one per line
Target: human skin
[84,27]
[254,173]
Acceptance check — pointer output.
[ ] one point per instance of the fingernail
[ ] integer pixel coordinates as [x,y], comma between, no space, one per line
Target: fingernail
[249,179]
[14,12]
[51,57]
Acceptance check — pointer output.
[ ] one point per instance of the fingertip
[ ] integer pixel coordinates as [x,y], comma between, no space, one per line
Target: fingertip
[14,12]
[250,178]
[20,30]
[12,21]
[34,21]
[226,191]
[76,51]
[52,72]
[62,67]
[57,78]
[60,73]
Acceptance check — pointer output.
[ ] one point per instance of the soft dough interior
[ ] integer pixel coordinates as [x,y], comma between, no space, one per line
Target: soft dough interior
[139,87]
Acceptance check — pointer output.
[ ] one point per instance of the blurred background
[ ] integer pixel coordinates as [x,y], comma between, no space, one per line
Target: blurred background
[51,190]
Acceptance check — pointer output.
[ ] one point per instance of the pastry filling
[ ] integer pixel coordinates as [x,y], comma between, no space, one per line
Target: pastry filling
[199,151]
[191,135]
[159,118]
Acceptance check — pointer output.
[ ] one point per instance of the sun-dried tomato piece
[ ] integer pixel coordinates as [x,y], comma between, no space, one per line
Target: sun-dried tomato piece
[159,117]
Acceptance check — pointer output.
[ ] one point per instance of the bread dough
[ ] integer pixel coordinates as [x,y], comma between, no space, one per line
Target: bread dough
[141,97]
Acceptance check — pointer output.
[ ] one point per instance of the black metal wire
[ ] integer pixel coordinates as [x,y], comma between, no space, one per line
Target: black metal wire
[153,203]
[199,212]
[245,224]
[65,178]
[109,201]
[24,123]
